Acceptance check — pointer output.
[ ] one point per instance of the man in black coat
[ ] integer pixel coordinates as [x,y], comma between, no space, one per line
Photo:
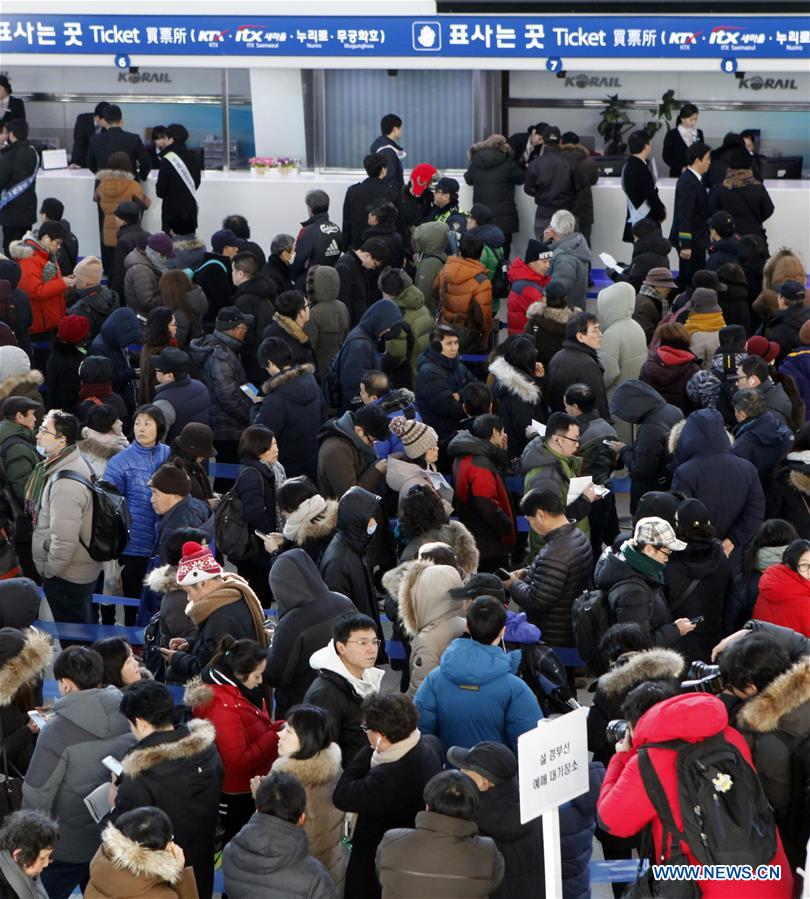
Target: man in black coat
[638,184]
[527,145]
[784,327]
[255,295]
[18,174]
[114,140]
[366,195]
[440,378]
[87,125]
[358,277]
[178,178]
[307,612]
[277,268]
[181,398]
[690,228]
[319,242]
[345,676]
[559,572]
[177,770]
[15,108]
[550,180]
[391,128]
[578,363]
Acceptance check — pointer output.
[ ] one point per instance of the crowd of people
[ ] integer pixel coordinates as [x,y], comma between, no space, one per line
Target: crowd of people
[400,486]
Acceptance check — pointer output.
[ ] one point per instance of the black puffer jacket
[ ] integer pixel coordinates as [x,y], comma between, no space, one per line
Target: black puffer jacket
[649,252]
[217,359]
[745,199]
[255,297]
[95,304]
[307,609]
[646,460]
[519,399]
[734,299]
[788,495]
[62,376]
[556,576]
[635,598]
[493,174]
[705,562]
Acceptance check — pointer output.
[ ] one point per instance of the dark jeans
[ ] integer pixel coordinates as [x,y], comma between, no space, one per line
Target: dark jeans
[60,878]
[11,233]
[604,523]
[133,569]
[235,810]
[69,601]
[26,560]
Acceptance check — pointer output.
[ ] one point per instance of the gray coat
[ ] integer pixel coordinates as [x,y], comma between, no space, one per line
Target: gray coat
[570,259]
[66,766]
[141,283]
[64,523]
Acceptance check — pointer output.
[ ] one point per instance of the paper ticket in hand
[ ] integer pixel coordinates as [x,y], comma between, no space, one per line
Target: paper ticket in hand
[610,262]
[576,487]
[538,427]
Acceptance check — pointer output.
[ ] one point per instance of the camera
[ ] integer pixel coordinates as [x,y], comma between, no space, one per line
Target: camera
[703,678]
[616,731]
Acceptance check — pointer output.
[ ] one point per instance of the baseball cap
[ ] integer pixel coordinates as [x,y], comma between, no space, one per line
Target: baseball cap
[447,185]
[722,223]
[551,134]
[692,513]
[492,760]
[791,290]
[657,532]
[171,360]
[229,317]
[481,584]
[226,238]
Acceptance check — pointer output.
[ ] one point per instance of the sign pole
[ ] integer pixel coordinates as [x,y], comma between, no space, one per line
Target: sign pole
[552,851]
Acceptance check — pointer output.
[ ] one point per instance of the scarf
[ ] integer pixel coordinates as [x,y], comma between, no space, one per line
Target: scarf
[705,321]
[642,563]
[689,135]
[739,178]
[396,750]
[161,263]
[571,465]
[279,477]
[768,556]
[23,886]
[97,390]
[291,327]
[39,478]
[49,272]
[232,590]
[310,510]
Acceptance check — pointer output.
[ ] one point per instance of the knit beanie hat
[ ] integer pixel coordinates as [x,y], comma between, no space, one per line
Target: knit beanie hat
[13,361]
[393,281]
[101,419]
[323,283]
[88,272]
[73,329]
[171,478]
[417,437]
[421,176]
[732,338]
[197,565]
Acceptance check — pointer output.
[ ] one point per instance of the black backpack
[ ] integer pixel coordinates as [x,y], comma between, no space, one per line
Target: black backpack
[111,519]
[726,817]
[231,532]
[591,617]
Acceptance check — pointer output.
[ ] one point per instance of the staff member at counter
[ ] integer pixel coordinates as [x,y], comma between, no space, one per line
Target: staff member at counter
[680,138]
[10,107]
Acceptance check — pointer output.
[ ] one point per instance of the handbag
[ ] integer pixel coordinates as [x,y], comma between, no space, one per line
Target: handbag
[12,785]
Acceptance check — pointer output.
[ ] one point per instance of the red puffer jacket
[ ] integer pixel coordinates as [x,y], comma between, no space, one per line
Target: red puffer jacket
[525,287]
[784,598]
[47,297]
[624,808]
[247,739]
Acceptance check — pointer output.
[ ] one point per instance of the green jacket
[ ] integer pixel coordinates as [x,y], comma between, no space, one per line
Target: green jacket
[19,459]
[419,320]
[491,259]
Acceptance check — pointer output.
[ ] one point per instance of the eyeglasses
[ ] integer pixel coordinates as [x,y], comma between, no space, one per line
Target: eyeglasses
[572,439]
[44,430]
[804,567]
[665,550]
[366,643]
[365,728]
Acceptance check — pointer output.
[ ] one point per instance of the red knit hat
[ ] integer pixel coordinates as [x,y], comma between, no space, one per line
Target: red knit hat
[73,329]
[197,565]
[421,176]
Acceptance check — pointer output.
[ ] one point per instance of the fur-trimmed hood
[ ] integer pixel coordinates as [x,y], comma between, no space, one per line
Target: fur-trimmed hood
[323,527]
[29,663]
[201,735]
[21,249]
[493,142]
[114,175]
[323,768]
[127,855]
[783,695]
[22,383]
[289,374]
[640,667]
[541,310]
[424,597]
[188,244]
[800,482]
[675,436]
[783,265]
[100,449]
[515,381]
[163,579]
[197,694]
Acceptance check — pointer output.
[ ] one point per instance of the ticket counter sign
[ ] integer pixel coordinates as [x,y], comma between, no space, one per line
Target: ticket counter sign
[451,36]
[553,764]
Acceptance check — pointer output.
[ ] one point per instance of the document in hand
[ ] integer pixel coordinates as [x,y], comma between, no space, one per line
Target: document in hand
[610,262]
[576,487]
[538,427]
[98,802]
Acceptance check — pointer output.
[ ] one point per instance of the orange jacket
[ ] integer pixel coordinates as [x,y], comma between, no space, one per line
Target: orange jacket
[465,301]
[115,187]
[47,297]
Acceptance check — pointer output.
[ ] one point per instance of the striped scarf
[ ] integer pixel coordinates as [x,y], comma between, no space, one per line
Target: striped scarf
[39,478]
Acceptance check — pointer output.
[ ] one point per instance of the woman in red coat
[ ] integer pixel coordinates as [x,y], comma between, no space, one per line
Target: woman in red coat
[624,808]
[230,695]
[784,590]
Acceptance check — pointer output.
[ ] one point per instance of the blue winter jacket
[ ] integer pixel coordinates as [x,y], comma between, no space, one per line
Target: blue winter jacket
[437,379]
[704,460]
[475,694]
[188,398]
[120,329]
[130,471]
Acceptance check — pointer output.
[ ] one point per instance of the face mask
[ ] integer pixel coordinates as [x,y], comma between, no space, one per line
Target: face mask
[41,450]
[371,528]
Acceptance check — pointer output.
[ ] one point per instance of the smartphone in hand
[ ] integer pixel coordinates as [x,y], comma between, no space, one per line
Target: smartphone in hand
[503,574]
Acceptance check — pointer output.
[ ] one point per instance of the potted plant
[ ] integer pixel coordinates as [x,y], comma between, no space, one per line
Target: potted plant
[259,165]
[287,165]
[614,123]
[664,112]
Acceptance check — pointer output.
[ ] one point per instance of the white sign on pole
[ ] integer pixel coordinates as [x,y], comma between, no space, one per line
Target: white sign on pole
[553,763]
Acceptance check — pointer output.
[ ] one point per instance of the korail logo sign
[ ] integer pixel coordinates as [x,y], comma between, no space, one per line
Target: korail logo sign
[582,81]
[758,83]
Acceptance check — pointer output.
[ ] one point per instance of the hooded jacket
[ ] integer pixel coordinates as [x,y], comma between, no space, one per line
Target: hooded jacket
[648,252]
[419,321]
[269,859]
[788,496]
[784,599]
[763,441]
[493,174]
[475,695]
[430,615]
[287,330]
[128,237]
[519,400]
[725,250]
[668,370]
[187,400]
[180,772]
[481,495]
[307,610]
[95,304]
[19,457]
[361,349]
[525,289]
[437,379]
[550,180]
[120,329]
[293,410]
[545,470]
[328,318]
[576,363]
[20,317]
[311,529]
[343,566]
[115,187]
[66,765]
[336,692]
[547,326]
[784,328]
[429,242]
[344,460]
[647,458]
[465,301]
[624,807]
[141,283]
[703,459]
[217,359]
[47,298]
[624,345]
[571,257]
[189,250]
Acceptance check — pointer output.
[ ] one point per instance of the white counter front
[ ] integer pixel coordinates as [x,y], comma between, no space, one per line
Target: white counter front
[274,204]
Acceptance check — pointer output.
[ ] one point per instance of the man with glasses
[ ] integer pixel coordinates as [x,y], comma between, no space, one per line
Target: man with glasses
[578,363]
[62,512]
[346,676]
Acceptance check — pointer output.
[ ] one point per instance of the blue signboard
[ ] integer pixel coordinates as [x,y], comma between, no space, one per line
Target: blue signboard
[507,37]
